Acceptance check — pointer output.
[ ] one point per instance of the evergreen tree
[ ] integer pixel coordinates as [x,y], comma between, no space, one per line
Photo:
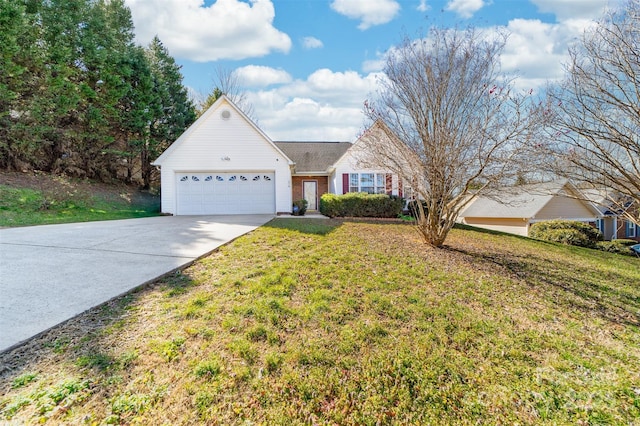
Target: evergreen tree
[77,96]
[173,110]
[12,28]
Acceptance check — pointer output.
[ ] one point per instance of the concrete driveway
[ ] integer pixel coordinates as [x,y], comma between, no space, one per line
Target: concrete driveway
[51,273]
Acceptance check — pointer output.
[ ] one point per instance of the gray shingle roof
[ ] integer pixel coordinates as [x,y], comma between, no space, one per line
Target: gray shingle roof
[516,202]
[313,157]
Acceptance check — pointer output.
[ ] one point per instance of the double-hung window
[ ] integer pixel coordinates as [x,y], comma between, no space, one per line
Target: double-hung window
[372,183]
[631,229]
[354,182]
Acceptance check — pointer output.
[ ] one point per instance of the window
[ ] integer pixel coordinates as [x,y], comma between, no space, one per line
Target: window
[631,229]
[372,183]
[407,191]
[366,183]
[354,185]
[600,225]
[380,184]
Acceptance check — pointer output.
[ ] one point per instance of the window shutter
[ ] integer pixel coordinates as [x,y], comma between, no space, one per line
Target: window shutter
[399,187]
[345,183]
[388,184]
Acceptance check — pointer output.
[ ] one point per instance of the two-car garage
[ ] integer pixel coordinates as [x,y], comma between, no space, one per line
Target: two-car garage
[223,164]
[226,192]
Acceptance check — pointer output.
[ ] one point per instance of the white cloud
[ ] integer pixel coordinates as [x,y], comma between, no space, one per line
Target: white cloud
[536,50]
[373,65]
[423,6]
[369,12]
[227,29]
[326,106]
[465,8]
[574,9]
[261,76]
[311,43]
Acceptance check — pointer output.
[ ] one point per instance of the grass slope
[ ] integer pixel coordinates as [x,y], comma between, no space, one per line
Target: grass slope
[28,199]
[330,322]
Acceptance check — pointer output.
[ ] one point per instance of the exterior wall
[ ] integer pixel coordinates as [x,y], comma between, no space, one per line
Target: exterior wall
[622,231]
[565,208]
[510,226]
[349,164]
[217,144]
[296,186]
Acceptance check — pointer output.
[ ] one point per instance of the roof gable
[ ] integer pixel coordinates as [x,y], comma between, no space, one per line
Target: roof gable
[356,149]
[313,157]
[362,155]
[206,116]
[525,201]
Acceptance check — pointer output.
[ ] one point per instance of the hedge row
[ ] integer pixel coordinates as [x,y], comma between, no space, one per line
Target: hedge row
[360,204]
[568,232]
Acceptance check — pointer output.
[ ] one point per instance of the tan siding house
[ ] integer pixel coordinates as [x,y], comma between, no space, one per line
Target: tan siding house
[513,210]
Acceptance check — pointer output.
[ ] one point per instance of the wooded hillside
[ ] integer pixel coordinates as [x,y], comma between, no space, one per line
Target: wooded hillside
[79,97]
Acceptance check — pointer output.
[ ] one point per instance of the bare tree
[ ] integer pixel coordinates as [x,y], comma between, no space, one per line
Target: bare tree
[594,114]
[454,125]
[228,83]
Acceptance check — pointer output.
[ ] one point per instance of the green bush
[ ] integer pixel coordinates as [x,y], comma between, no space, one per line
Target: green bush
[620,246]
[300,207]
[568,232]
[360,204]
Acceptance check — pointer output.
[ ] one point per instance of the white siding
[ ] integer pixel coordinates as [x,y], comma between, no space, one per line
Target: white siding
[349,164]
[217,144]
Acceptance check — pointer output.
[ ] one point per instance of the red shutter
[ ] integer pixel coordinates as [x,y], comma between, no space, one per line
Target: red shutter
[345,183]
[388,184]
[399,186]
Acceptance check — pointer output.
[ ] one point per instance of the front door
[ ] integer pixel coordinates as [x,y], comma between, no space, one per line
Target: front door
[310,193]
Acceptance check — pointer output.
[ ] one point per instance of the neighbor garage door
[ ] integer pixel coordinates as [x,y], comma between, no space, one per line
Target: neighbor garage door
[225,193]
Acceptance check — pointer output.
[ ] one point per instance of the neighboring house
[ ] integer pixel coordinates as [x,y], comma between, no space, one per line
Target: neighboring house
[225,164]
[513,210]
[613,223]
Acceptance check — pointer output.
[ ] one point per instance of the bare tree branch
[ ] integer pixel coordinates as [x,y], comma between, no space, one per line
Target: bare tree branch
[228,83]
[594,114]
[456,125]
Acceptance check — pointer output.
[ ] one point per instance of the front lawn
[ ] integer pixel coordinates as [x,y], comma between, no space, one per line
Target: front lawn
[328,322]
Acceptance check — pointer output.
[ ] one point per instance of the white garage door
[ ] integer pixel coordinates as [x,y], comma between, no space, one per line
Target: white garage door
[225,193]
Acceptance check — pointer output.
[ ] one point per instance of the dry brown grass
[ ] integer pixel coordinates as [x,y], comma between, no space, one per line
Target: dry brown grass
[350,323]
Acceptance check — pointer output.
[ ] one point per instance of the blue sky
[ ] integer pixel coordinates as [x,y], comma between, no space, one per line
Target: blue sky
[307,66]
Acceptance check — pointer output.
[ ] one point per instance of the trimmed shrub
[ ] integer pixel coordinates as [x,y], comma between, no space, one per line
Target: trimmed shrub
[568,232]
[300,207]
[620,246]
[360,204]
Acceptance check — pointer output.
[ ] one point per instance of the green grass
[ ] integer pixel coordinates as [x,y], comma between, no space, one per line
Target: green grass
[327,322]
[23,207]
